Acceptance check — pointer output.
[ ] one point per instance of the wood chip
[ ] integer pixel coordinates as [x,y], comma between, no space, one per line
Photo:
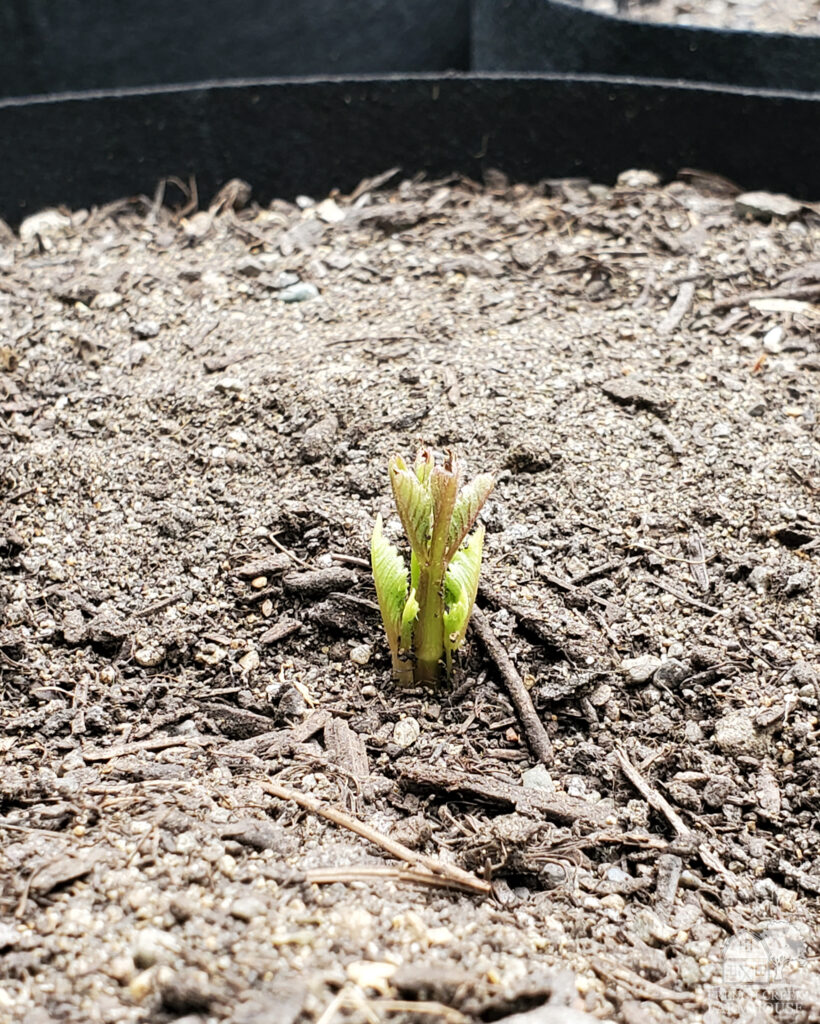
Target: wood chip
[554,806]
[286,626]
[65,869]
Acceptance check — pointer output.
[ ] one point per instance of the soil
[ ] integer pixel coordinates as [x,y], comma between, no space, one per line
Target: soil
[801,17]
[197,708]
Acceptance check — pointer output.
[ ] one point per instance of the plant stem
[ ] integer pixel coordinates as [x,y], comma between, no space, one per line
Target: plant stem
[403,670]
[429,633]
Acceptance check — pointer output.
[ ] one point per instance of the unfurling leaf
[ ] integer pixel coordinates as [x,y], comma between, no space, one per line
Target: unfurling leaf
[444,490]
[408,617]
[460,589]
[413,502]
[390,577]
[423,466]
[468,505]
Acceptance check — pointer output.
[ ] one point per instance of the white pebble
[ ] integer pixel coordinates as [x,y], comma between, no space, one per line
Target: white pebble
[361,654]
[406,732]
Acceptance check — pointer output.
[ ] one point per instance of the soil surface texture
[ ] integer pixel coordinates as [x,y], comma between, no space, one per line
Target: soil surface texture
[801,17]
[214,803]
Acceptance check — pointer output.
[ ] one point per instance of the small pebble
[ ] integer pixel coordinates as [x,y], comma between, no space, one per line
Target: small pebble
[107,300]
[361,654]
[688,971]
[141,986]
[249,662]
[672,673]
[285,278]
[138,353]
[246,908]
[735,734]
[237,436]
[798,583]
[249,267]
[210,654]
[45,225]
[576,787]
[772,340]
[184,907]
[300,292]
[146,329]
[637,178]
[760,578]
[121,969]
[641,669]
[197,226]
[649,927]
[330,212]
[765,205]
[538,778]
[227,865]
[149,655]
[406,732]
[152,945]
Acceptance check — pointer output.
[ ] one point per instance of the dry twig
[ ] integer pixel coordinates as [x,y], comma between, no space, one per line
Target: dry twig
[679,309]
[652,796]
[448,872]
[682,596]
[536,734]
[809,293]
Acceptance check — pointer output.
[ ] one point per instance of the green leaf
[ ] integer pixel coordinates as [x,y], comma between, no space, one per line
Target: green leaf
[460,589]
[423,465]
[408,617]
[414,505]
[468,505]
[444,490]
[390,577]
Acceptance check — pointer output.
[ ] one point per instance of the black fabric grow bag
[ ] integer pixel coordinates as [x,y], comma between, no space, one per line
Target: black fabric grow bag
[391,103]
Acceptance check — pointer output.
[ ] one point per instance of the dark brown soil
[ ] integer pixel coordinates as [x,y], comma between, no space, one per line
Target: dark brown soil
[190,468]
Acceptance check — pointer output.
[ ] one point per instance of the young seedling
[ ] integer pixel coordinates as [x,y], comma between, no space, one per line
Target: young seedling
[425,615]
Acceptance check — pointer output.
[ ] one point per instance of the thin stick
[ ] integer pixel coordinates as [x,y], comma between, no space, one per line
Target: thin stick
[369,872]
[158,606]
[160,743]
[332,1008]
[680,308]
[807,293]
[426,1007]
[652,796]
[395,849]
[640,987]
[534,729]
[340,556]
[682,596]
[286,551]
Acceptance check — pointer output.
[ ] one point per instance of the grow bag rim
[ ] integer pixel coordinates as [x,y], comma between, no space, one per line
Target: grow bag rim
[433,77]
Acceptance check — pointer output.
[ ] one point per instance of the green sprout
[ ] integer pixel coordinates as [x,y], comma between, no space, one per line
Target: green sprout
[425,616]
